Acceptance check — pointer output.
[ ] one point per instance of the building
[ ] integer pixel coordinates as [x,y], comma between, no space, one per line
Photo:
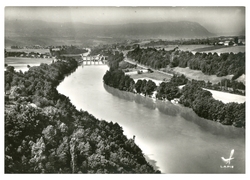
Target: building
[241,41]
[226,43]
[220,43]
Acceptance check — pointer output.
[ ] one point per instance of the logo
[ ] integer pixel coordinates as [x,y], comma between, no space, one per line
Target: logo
[228,160]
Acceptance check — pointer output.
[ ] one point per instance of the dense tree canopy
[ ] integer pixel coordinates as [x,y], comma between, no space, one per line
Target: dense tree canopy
[208,63]
[192,95]
[118,79]
[44,133]
[151,57]
[67,50]
[202,102]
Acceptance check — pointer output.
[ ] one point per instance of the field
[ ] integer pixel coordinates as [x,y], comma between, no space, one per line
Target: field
[205,48]
[218,95]
[58,41]
[198,75]
[143,42]
[210,48]
[21,63]
[224,96]
[193,47]
[221,49]
[233,49]
[227,97]
[181,47]
[155,75]
[42,51]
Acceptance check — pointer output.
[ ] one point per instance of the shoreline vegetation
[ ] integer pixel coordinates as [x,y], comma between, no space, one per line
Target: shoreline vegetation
[192,95]
[44,133]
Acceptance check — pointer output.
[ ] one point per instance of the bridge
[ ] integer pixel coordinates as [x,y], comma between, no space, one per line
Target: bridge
[94,60]
[86,60]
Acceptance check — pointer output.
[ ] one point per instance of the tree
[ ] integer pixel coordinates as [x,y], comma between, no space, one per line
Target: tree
[38,155]
[138,85]
[55,137]
[10,69]
[143,85]
[150,87]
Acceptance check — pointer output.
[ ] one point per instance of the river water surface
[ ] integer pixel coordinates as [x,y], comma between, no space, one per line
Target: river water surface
[172,136]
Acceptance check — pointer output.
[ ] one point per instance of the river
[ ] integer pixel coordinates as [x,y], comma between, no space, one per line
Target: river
[176,141]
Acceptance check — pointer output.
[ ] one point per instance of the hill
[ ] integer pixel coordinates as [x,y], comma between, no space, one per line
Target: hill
[32,32]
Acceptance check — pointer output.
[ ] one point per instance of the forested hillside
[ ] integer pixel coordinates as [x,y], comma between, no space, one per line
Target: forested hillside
[44,133]
[208,63]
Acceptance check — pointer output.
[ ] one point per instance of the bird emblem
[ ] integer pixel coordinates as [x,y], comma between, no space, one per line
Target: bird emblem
[227,161]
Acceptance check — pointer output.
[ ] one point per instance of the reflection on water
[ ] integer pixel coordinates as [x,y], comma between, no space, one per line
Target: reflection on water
[172,137]
[171,109]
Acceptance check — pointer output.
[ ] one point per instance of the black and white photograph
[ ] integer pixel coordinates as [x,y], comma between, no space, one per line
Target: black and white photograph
[124,90]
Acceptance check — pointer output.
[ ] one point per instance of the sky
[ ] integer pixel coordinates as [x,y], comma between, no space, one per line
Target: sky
[214,19]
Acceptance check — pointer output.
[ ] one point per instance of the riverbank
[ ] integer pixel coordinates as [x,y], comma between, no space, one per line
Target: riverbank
[81,144]
[225,97]
[159,76]
[192,96]
[163,137]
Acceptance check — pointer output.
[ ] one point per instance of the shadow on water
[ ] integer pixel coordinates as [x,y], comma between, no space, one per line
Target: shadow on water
[147,102]
[187,114]
[213,127]
[167,108]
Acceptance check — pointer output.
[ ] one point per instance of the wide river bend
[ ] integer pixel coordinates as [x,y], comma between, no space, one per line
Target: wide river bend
[176,141]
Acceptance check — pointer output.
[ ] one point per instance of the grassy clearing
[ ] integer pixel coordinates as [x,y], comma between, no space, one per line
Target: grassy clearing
[193,47]
[166,47]
[205,48]
[181,47]
[198,75]
[28,50]
[227,97]
[234,49]
[210,48]
[221,49]
[154,75]
[143,42]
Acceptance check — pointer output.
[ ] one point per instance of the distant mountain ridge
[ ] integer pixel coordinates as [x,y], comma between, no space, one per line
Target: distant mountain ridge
[166,30]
